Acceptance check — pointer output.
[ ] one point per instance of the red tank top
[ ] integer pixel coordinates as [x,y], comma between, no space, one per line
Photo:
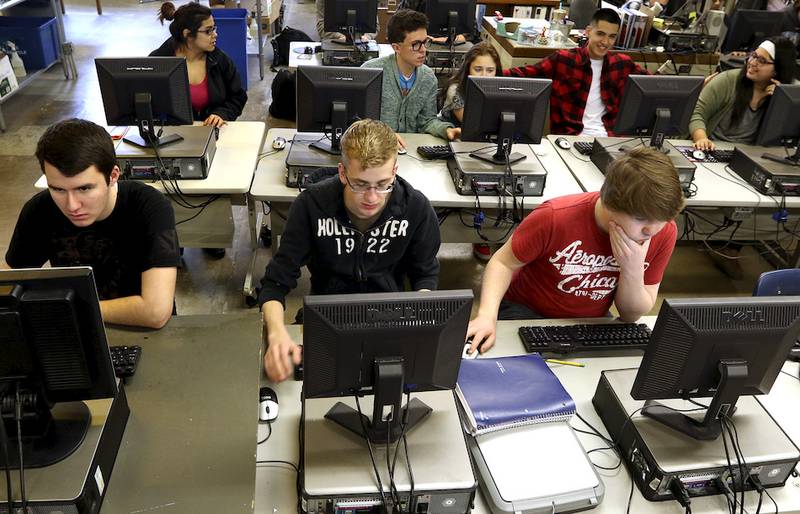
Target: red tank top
[199,94]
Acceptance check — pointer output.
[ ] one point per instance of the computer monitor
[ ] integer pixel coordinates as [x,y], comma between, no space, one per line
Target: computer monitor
[450,18]
[714,347]
[504,110]
[143,91]
[351,17]
[384,344]
[53,349]
[781,124]
[748,28]
[657,106]
[330,98]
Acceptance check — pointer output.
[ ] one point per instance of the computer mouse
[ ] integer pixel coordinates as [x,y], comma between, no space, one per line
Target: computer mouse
[473,355]
[699,155]
[563,143]
[401,151]
[279,143]
[267,405]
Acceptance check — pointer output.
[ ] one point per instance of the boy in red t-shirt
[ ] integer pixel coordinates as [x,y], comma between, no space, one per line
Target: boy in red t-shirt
[575,255]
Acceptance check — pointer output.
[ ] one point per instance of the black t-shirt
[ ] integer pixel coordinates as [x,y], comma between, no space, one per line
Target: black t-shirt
[138,235]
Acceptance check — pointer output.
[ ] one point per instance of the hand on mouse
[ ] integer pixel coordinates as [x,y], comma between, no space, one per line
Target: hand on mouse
[281,357]
[704,144]
[482,330]
[214,121]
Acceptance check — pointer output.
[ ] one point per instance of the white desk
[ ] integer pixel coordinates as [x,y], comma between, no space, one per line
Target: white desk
[230,176]
[315,59]
[430,177]
[275,485]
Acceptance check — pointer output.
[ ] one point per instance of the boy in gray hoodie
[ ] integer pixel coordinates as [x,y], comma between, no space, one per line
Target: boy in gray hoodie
[408,103]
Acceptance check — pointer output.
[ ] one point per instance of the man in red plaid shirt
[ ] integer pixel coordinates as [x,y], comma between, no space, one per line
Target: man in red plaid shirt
[587,81]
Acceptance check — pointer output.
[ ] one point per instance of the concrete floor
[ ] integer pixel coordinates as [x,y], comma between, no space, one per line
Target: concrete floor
[214,286]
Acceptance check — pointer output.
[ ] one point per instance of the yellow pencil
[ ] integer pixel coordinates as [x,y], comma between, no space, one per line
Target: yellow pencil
[566,363]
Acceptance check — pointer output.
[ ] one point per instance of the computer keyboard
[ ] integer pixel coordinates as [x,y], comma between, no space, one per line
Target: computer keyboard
[125,360]
[435,152]
[583,147]
[577,338]
[721,155]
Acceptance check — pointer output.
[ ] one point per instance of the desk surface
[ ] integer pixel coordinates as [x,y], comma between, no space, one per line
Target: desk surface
[234,162]
[275,485]
[489,25]
[189,445]
[430,177]
[717,185]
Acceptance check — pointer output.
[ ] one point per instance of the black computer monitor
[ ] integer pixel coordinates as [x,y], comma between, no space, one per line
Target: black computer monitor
[504,110]
[53,349]
[450,18]
[351,17]
[330,98]
[143,91]
[781,124]
[748,28]
[657,106]
[385,344]
[714,347]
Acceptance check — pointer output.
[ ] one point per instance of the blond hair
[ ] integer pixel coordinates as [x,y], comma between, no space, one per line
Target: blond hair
[643,183]
[370,142]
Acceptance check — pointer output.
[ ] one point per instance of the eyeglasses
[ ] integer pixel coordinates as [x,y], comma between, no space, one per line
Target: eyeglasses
[417,45]
[757,59]
[360,190]
[210,30]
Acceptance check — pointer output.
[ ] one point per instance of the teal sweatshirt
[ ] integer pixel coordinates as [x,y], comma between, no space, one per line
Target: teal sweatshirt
[416,112]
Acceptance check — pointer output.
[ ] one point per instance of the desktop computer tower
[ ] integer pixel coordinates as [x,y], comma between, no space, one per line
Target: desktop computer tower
[766,176]
[77,484]
[657,455]
[473,176]
[306,164]
[337,476]
[607,149]
[338,54]
[187,159]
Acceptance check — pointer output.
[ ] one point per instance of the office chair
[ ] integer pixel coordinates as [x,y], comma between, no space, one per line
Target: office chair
[782,282]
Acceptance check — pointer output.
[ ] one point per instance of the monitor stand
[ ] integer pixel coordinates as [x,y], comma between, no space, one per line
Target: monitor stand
[389,422]
[148,138]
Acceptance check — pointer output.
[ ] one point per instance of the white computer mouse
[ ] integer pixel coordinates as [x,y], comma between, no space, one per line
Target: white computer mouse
[401,151]
[279,143]
[699,155]
[267,405]
[473,355]
[563,143]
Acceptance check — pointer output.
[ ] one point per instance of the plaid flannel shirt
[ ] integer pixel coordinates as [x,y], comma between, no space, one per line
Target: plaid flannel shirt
[571,73]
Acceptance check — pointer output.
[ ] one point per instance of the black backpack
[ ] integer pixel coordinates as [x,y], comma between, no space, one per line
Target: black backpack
[280,45]
[283,104]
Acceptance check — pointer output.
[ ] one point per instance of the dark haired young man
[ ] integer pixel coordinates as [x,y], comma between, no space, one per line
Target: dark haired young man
[573,256]
[124,230]
[587,81]
[408,102]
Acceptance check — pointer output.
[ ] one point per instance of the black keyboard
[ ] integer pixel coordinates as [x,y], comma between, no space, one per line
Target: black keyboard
[435,152]
[125,359]
[583,147]
[721,155]
[577,338]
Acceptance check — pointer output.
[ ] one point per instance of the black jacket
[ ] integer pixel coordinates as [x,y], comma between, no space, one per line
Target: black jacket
[402,243]
[226,98]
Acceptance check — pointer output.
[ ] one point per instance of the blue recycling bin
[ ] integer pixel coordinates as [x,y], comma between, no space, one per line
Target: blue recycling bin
[232,37]
[35,37]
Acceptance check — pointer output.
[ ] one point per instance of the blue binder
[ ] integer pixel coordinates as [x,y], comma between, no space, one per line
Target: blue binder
[506,392]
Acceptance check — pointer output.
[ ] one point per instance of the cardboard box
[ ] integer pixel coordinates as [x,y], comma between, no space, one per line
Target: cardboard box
[8,81]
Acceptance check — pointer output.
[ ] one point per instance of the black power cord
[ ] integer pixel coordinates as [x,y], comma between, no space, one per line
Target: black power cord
[4,443]
[371,456]
[18,416]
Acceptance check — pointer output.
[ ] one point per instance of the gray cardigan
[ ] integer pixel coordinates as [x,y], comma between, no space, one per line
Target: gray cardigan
[715,100]
[416,112]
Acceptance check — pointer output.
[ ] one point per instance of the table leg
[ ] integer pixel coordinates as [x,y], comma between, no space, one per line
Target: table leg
[249,290]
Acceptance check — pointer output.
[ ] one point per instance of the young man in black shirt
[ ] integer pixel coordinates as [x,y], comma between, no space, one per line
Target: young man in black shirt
[124,230]
[364,231]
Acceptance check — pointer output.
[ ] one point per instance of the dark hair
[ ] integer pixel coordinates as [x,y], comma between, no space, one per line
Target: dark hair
[189,16]
[605,14]
[785,55]
[460,76]
[72,146]
[403,22]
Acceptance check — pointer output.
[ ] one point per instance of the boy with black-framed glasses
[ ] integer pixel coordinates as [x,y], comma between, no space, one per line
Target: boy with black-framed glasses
[364,231]
[408,100]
